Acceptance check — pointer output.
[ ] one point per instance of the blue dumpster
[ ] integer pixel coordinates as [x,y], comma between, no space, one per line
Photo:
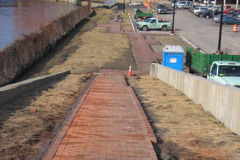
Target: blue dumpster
[172,56]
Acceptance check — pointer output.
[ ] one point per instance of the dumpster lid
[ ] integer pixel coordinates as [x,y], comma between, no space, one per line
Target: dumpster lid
[170,48]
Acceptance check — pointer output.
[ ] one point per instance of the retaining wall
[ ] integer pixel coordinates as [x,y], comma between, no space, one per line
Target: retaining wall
[29,48]
[12,91]
[221,100]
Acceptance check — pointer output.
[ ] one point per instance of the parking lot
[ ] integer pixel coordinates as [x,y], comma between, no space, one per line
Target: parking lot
[204,32]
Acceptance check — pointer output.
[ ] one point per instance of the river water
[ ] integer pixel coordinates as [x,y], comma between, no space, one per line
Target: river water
[18,17]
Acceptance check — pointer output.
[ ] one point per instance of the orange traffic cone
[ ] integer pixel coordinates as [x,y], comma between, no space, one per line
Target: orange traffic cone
[235,28]
[130,71]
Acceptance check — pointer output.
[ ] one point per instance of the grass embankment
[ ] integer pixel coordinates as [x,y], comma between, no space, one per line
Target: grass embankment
[183,127]
[28,121]
[88,49]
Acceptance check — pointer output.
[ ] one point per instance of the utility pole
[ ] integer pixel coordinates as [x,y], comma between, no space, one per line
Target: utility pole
[220,29]
[124,6]
[174,1]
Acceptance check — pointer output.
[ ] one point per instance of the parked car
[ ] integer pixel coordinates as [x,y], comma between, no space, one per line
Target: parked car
[237,16]
[135,4]
[233,12]
[176,1]
[162,9]
[199,9]
[214,13]
[228,10]
[207,14]
[216,8]
[216,18]
[192,8]
[209,1]
[230,20]
[199,14]
[183,4]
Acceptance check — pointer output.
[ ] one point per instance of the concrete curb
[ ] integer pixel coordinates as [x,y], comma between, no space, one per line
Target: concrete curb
[133,52]
[131,22]
[12,91]
[185,39]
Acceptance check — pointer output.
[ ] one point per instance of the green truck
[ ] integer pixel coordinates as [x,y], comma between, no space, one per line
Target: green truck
[224,69]
[153,23]
[141,14]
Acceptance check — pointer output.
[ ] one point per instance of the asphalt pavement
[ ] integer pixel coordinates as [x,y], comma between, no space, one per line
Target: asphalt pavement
[203,32]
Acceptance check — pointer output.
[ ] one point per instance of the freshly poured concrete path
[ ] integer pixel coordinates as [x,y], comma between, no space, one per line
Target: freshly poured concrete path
[110,124]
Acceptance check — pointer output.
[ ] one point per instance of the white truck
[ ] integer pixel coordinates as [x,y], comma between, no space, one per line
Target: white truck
[225,72]
[154,23]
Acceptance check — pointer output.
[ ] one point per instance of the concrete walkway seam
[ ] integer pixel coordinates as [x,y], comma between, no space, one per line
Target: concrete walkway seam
[12,91]
[52,149]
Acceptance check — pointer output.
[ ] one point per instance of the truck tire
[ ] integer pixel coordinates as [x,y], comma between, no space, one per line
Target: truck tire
[144,28]
[164,28]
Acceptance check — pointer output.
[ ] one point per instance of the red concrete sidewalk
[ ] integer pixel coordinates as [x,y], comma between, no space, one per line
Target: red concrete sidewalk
[110,124]
[144,55]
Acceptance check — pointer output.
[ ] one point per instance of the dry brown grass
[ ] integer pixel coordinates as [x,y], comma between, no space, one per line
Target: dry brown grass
[104,16]
[89,49]
[184,127]
[23,129]
[98,49]
[126,22]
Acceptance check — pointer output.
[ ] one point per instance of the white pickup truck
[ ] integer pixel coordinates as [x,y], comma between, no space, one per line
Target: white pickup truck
[154,23]
[225,72]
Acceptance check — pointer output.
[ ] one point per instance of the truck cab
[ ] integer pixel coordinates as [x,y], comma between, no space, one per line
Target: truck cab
[154,23]
[225,72]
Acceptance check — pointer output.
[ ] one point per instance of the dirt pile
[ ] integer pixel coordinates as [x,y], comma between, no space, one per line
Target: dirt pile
[184,129]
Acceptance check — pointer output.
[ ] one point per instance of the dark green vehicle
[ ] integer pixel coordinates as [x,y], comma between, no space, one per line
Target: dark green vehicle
[141,14]
[200,63]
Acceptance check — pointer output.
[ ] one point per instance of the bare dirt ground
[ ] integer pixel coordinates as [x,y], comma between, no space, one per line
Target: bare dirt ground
[29,121]
[183,129]
[167,40]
